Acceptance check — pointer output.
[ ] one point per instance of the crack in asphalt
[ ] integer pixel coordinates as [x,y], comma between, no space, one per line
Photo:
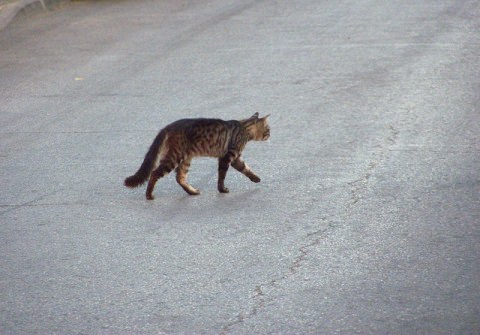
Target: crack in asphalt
[30,203]
[358,185]
[260,294]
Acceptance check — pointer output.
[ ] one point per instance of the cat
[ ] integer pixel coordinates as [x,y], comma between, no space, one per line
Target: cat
[176,145]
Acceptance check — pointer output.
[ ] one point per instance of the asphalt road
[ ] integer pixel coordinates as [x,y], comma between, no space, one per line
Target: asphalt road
[367,219]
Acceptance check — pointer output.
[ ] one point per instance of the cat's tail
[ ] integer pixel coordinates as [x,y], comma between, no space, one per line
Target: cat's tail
[143,173]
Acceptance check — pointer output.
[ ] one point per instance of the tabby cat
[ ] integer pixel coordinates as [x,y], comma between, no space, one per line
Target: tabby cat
[180,141]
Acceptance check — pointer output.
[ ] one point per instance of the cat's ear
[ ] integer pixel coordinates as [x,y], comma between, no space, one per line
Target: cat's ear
[252,120]
[265,117]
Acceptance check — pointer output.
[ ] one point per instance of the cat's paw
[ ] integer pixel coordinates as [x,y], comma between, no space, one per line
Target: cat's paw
[255,179]
[150,197]
[223,189]
[190,189]
[194,192]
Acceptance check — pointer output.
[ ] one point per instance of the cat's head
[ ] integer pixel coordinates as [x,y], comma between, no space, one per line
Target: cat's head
[258,128]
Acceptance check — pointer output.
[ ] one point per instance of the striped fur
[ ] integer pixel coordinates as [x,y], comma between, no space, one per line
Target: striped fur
[179,142]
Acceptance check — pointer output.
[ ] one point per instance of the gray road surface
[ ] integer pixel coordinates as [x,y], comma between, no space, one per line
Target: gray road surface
[367,217]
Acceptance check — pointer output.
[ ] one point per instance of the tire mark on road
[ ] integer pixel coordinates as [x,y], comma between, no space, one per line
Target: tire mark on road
[189,34]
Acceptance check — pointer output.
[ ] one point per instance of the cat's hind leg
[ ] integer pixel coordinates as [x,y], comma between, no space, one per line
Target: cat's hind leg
[240,165]
[182,173]
[163,169]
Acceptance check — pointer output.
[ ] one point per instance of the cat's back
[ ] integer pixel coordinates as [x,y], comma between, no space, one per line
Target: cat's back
[193,128]
[202,136]
[198,123]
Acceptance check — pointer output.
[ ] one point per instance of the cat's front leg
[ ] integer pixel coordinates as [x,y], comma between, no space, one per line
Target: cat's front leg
[240,165]
[223,164]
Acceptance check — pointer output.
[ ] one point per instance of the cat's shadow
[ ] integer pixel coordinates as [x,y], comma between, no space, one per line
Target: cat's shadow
[218,202]
[232,196]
